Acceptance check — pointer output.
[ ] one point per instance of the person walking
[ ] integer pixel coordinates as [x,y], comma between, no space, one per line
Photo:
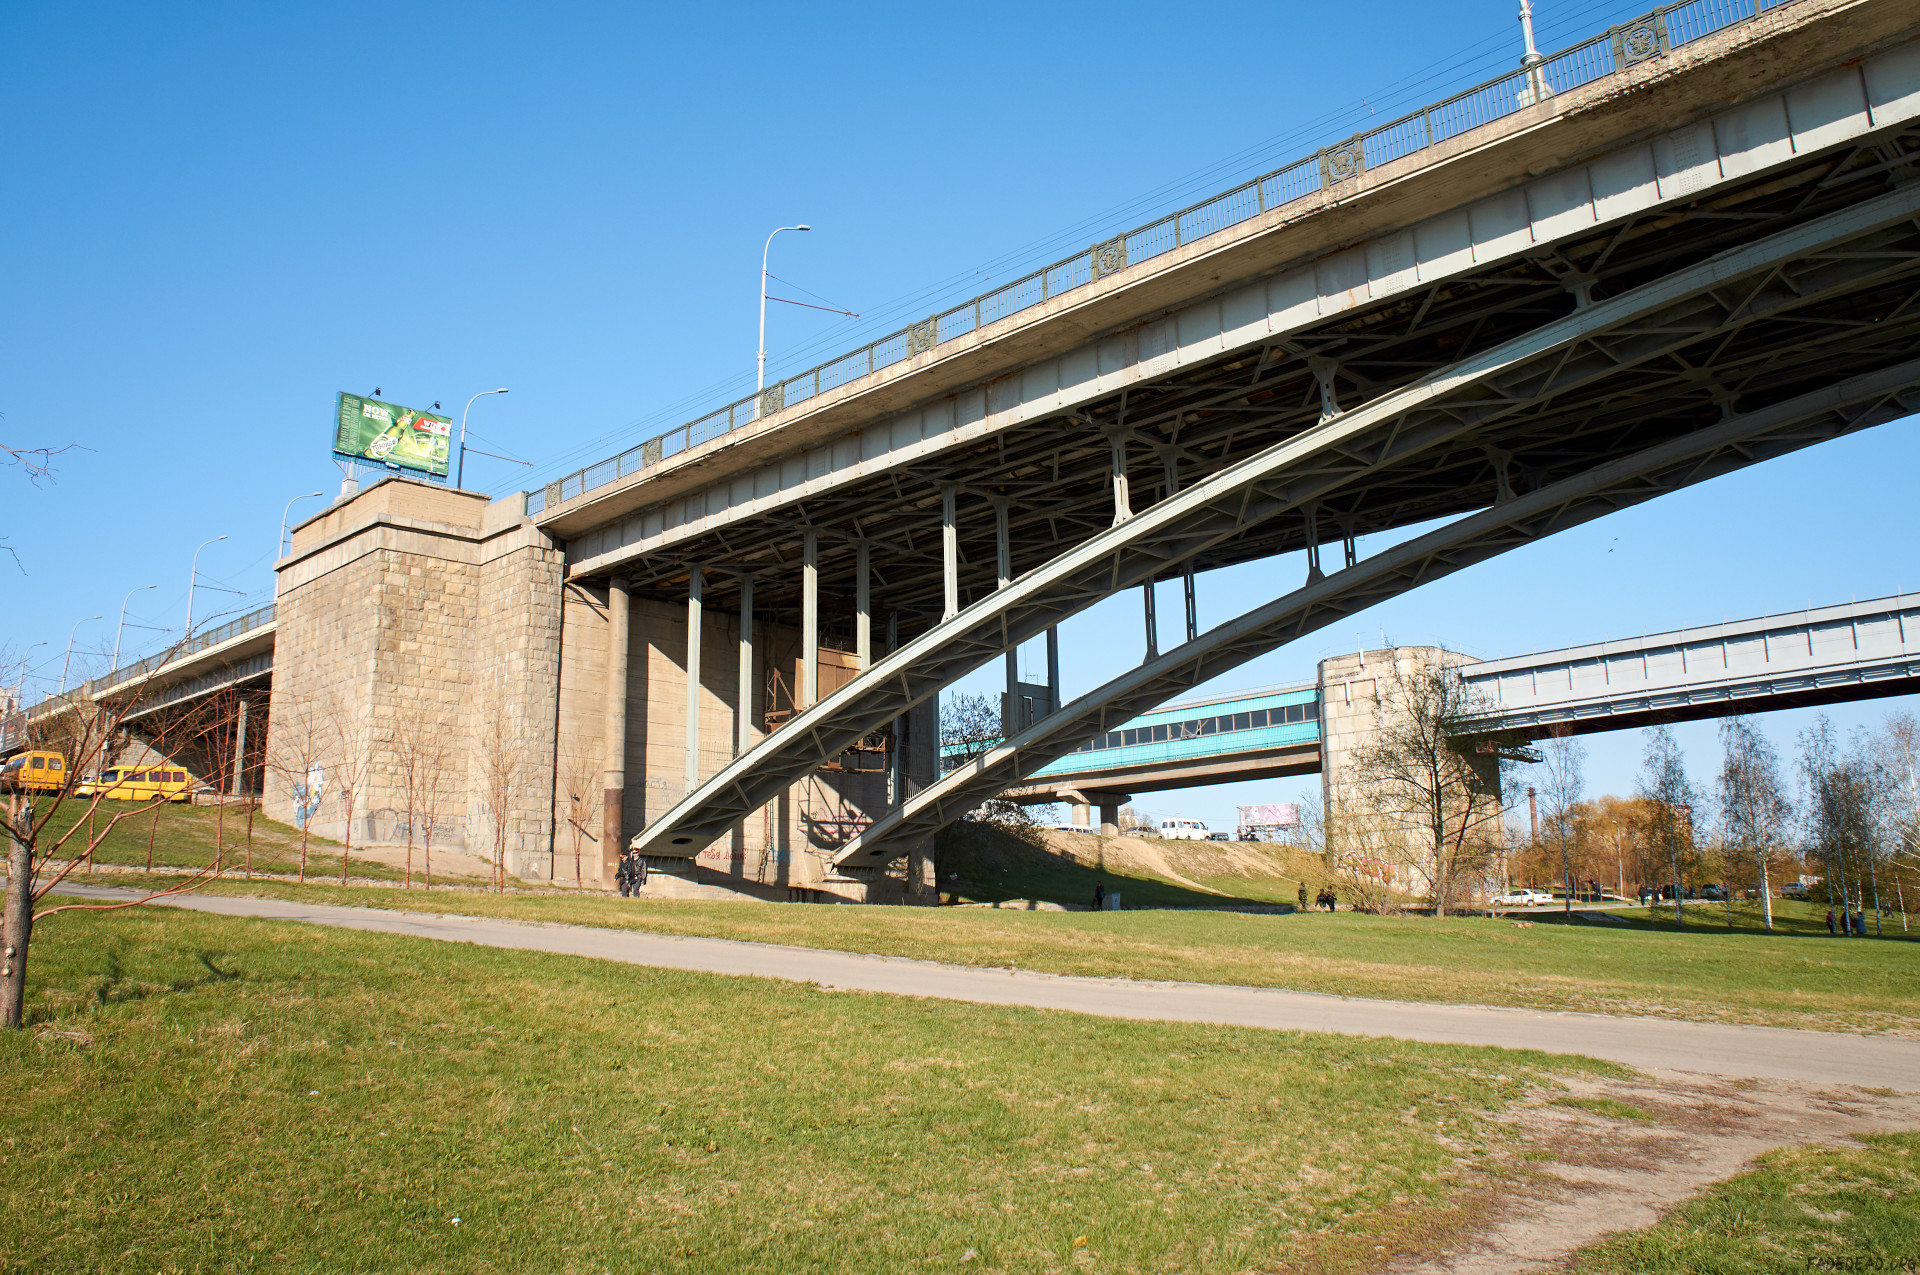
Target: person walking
[1830,929]
[624,874]
[1303,896]
[1099,895]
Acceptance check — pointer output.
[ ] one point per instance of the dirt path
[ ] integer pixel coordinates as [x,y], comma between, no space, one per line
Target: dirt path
[1806,1057]
[1590,1176]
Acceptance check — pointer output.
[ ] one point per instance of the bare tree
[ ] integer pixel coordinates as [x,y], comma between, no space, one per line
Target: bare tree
[1753,803]
[1563,782]
[298,751]
[419,754]
[1846,816]
[1900,759]
[351,749]
[433,796]
[501,762]
[39,860]
[579,773]
[1672,798]
[969,727]
[1434,788]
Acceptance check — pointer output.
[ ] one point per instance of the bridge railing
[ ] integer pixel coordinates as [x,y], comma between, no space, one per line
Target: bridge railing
[1613,51]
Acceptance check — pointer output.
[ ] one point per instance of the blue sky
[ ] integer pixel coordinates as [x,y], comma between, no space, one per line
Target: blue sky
[219,215]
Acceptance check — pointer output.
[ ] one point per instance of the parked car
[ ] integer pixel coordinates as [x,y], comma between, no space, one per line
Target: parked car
[1714,892]
[1185,830]
[1523,898]
[1220,836]
[1794,890]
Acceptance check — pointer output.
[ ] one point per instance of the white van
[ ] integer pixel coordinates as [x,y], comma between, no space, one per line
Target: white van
[1183,830]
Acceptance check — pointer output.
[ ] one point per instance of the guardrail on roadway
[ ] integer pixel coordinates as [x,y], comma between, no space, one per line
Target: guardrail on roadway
[1612,52]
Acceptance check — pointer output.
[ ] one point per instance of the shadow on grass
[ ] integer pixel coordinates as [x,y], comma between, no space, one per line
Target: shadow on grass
[1790,920]
[979,863]
[110,984]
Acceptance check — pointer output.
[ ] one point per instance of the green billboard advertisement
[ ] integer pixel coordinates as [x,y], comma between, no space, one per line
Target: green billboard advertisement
[367,429]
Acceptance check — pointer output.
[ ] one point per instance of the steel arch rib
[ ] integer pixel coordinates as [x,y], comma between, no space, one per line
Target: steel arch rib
[1732,444]
[1576,350]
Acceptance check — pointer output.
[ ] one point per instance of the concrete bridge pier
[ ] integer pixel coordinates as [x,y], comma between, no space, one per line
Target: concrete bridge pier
[614,727]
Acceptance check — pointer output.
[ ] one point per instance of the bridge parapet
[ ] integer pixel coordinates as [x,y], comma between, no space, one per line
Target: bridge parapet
[1624,54]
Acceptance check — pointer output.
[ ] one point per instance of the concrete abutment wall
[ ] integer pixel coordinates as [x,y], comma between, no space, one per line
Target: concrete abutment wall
[434,672]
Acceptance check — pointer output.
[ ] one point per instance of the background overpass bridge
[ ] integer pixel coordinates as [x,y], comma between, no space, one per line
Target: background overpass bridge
[1820,655]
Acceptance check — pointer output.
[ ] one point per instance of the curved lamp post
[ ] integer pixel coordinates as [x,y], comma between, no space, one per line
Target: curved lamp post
[68,661]
[281,544]
[123,623]
[763,302]
[460,470]
[193,580]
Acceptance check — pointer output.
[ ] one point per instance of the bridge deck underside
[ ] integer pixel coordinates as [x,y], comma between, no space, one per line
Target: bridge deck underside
[1469,396]
[1056,473]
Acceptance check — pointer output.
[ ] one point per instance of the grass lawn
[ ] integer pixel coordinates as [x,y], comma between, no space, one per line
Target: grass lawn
[199,1093]
[1703,973]
[183,836]
[1802,1209]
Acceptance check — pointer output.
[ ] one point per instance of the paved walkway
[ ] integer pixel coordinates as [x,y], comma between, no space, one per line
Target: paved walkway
[1646,1043]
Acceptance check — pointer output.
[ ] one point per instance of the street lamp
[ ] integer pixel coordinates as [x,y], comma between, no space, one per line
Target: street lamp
[193,579]
[763,302]
[123,623]
[460,470]
[20,686]
[281,543]
[69,660]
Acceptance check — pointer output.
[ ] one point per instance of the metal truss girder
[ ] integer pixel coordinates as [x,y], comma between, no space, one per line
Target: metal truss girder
[1732,444]
[1742,286]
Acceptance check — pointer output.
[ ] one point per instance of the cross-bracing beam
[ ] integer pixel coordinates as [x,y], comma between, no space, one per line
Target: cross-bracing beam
[1732,444]
[1591,355]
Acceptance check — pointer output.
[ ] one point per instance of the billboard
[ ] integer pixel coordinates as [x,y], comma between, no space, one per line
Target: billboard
[368,429]
[1276,816]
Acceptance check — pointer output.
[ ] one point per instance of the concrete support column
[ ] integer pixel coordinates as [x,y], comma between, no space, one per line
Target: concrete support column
[614,729]
[1053,669]
[239,749]
[897,760]
[1109,820]
[949,553]
[1003,569]
[862,609]
[1082,814]
[810,619]
[1170,459]
[1122,501]
[743,712]
[1312,512]
[696,588]
[1153,621]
